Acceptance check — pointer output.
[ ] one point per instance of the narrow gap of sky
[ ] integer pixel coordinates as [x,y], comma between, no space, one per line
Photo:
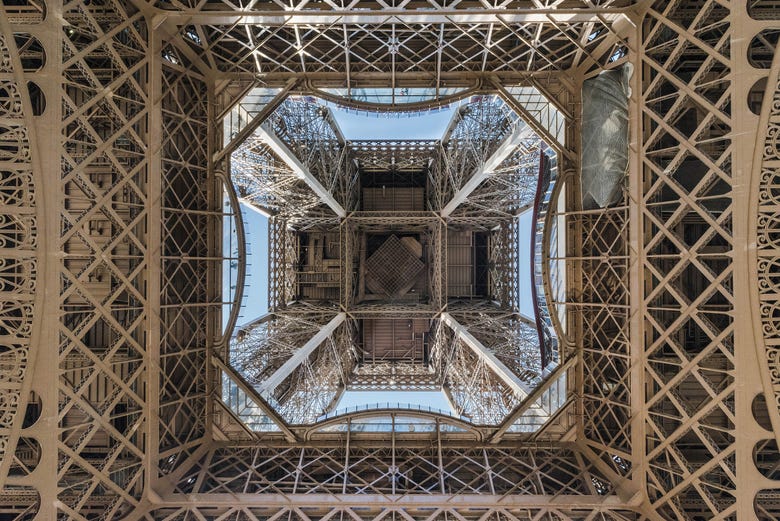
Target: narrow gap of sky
[255,301]
[358,125]
[423,399]
[525,277]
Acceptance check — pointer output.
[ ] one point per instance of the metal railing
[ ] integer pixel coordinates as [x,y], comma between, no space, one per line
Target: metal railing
[392,406]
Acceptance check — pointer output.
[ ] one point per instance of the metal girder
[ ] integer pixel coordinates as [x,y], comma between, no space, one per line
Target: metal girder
[538,125]
[666,387]
[520,132]
[432,501]
[269,384]
[535,15]
[277,145]
[532,398]
[410,471]
[253,125]
[256,397]
[520,387]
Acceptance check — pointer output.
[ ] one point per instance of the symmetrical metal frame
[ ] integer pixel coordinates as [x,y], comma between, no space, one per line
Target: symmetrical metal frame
[113,353]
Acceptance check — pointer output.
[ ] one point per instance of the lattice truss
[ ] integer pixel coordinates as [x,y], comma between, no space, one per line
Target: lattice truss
[511,187]
[103,304]
[503,265]
[688,207]
[473,387]
[427,42]
[262,179]
[311,133]
[19,454]
[111,269]
[456,470]
[511,337]
[477,130]
[475,514]
[282,261]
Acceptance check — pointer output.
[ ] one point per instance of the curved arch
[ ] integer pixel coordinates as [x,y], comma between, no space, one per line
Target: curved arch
[765,271]
[241,274]
[762,48]
[544,202]
[552,306]
[29,52]
[436,417]
[417,106]
[18,320]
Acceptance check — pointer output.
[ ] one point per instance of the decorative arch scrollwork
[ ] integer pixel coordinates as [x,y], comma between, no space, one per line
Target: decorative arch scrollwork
[18,244]
[768,234]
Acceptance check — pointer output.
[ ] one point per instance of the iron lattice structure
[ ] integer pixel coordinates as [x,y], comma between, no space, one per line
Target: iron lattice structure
[124,396]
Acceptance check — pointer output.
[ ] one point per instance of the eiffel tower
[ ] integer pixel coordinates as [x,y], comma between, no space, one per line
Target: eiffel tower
[581,264]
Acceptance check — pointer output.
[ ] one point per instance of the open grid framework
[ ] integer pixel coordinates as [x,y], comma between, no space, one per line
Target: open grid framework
[112,175]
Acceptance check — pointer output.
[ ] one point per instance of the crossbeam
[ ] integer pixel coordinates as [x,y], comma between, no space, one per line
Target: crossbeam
[539,127]
[258,400]
[273,141]
[521,132]
[330,18]
[533,397]
[268,386]
[368,501]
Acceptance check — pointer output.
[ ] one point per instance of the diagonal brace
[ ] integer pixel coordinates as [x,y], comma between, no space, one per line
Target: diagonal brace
[268,386]
[519,387]
[280,148]
[520,132]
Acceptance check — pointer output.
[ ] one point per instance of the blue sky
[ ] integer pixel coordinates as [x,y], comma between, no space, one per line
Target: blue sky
[409,125]
[255,302]
[355,126]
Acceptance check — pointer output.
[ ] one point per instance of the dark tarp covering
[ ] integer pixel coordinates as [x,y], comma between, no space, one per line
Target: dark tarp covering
[604,137]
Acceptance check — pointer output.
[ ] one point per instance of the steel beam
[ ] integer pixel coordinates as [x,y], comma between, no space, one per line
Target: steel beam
[541,130]
[295,360]
[507,376]
[246,132]
[252,393]
[533,397]
[307,17]
[507,501]
[521,132]
[277,145]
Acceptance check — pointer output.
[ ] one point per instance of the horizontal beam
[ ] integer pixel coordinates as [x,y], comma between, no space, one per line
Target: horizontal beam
[277,145]
[504,150]
[268,386]
[410,500]
[332,18]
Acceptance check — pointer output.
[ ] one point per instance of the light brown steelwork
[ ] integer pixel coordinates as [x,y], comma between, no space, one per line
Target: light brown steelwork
[111,237]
